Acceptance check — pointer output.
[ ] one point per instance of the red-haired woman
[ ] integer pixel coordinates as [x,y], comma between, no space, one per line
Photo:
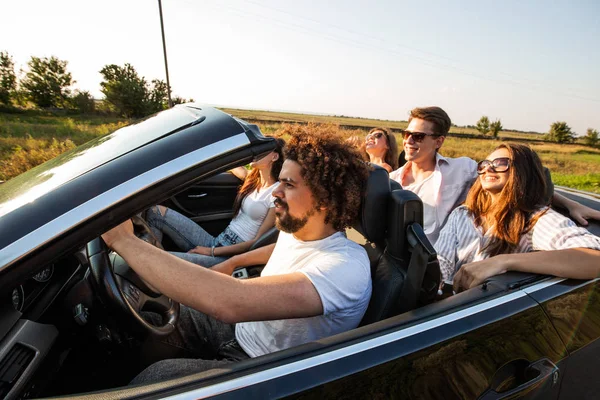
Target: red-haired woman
[505,220]
[253,215]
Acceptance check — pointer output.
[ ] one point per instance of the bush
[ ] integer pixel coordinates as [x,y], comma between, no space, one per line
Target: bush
[83,102]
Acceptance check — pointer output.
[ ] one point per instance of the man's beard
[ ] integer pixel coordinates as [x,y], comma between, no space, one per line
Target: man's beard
[289,224]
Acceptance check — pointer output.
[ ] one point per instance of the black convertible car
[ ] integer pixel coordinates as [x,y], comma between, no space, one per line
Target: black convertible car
[70,310]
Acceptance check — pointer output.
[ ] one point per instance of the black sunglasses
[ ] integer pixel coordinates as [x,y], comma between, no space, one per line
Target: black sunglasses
[375,135]
[497,165]
[417,136]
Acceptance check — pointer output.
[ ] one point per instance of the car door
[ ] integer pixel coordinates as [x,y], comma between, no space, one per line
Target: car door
[503,347]
[574,309]
[209,203]
[490,343]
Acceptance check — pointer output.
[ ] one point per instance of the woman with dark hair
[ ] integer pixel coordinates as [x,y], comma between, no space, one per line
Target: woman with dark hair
[505,221]
[253,215]
[382,149]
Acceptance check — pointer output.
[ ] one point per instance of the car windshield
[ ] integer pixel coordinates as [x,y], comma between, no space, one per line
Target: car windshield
[38,181]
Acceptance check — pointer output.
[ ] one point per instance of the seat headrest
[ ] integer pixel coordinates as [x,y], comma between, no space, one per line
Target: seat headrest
[372,220]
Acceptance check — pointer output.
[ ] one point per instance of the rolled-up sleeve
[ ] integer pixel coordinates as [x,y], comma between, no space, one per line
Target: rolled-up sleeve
[553,231]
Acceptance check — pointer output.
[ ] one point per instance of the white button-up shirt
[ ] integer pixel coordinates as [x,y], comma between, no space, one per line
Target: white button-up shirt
[445,190]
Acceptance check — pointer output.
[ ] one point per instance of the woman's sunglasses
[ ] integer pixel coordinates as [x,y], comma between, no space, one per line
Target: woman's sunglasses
[497,165]
[417,136]
[375,135]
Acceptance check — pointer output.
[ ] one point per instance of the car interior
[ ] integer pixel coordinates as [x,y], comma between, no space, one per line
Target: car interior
[81,313]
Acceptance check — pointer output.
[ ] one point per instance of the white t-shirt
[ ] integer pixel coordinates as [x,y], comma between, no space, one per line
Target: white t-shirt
[426,193]
[252,213]
[340,272]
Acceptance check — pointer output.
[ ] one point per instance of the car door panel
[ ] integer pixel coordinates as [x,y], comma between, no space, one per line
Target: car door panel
[460,367]
[574,309]
[210,202]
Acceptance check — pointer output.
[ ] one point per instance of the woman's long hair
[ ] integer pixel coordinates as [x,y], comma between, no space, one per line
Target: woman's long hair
[512,214]
[252,181]
[391,155]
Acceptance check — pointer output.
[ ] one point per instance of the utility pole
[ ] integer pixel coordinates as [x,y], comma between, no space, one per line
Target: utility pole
[162,29]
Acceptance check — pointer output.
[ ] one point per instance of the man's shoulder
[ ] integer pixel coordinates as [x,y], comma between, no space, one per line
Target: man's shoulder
[456,161]
[465,167]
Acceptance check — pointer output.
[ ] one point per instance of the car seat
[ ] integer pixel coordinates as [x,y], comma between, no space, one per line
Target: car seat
[404,267]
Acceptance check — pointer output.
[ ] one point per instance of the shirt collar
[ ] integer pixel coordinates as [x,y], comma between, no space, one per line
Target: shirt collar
[440,158]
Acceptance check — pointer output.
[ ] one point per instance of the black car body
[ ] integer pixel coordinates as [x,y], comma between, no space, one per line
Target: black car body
[518,335]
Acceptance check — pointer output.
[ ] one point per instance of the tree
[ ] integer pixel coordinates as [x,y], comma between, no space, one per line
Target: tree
[158,96]
[8,79]
[130,94]
[496,127]
[483,125]
[47,82]
[560,132]
[124,89]
[592,138]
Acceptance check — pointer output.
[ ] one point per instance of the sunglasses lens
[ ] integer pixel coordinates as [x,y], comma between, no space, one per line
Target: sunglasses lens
[417,136]
[501,164]
[481,165]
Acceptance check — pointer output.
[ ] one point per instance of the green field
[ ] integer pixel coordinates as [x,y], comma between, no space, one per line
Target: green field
[30,138]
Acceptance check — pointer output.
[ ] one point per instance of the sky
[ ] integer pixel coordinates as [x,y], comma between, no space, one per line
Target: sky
[527,63]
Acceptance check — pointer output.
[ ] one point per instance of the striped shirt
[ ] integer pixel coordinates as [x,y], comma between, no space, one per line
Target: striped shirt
[461,242]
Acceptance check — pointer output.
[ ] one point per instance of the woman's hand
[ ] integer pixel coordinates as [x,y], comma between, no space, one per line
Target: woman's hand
[473,274]
[205,251]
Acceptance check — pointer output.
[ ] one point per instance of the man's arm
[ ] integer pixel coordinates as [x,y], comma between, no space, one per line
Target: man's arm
[579,212]
[557,262]
[218,295]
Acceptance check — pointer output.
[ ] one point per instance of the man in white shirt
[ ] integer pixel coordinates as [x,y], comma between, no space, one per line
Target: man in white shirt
[316,282]
[442,183]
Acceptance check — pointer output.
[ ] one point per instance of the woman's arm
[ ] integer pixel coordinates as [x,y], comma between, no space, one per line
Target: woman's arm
[239,172]
[558,263]
[226,251]
[564,250]
[258,256]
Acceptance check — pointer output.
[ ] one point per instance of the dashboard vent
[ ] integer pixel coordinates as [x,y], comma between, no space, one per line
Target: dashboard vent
[12,367]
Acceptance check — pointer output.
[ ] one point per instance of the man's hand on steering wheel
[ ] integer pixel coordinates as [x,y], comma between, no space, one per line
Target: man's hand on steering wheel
[119,232]
[122,288]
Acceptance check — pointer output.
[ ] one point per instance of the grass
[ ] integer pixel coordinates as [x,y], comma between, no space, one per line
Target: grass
[28,139]
[276,118]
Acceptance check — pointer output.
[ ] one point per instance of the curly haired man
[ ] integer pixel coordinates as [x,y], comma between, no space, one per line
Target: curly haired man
[316,282]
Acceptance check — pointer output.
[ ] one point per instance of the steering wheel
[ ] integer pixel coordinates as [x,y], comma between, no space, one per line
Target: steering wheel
[124,289]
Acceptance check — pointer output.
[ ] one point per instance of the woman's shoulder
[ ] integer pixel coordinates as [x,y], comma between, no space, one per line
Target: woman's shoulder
[547,215]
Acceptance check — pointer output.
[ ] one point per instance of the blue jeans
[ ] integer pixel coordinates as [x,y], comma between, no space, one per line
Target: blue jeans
[187,234]
[205,342]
